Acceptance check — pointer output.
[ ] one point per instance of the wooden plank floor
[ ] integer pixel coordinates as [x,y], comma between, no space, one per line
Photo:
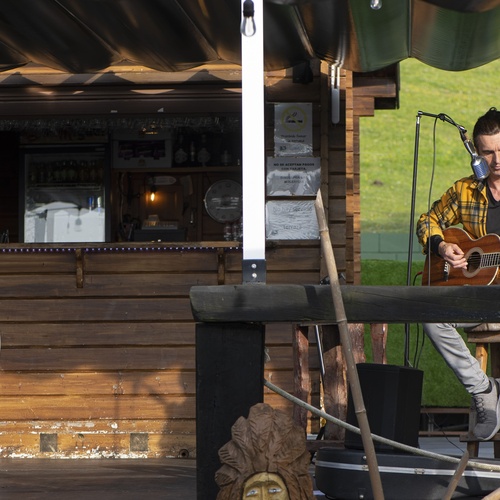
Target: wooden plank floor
[109,479]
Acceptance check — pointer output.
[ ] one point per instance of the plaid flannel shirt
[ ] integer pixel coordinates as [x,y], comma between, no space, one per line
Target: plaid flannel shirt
[463,203]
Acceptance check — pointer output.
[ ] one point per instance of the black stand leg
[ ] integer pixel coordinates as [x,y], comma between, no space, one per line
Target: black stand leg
[229,381]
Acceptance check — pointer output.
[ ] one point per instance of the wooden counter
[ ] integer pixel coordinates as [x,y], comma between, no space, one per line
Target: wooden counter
[97,351]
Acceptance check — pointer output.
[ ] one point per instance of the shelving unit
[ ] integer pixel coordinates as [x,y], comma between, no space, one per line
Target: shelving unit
[182,201]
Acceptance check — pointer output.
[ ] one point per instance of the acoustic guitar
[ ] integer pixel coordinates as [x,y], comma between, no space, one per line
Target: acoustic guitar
[483,261]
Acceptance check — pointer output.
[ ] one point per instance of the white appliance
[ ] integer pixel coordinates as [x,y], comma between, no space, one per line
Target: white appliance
[64,194]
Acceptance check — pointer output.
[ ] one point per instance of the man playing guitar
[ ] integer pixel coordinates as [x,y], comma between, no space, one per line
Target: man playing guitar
[475,204]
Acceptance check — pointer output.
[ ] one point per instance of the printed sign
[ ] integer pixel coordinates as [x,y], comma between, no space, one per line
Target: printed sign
[291,220]
[293,176]
[293,129]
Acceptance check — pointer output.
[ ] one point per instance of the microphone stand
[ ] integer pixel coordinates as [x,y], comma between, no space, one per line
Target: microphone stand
[447,119]
[412,228]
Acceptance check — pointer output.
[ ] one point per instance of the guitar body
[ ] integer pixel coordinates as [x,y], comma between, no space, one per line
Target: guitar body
[437,272]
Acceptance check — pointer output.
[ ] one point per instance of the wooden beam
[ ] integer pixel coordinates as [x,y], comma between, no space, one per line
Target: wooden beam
[312,304]
[229,381]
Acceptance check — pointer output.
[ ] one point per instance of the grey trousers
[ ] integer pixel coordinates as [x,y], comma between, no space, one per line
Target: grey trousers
[450,344]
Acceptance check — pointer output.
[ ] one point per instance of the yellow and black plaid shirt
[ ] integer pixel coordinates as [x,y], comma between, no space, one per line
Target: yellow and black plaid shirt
[464,203]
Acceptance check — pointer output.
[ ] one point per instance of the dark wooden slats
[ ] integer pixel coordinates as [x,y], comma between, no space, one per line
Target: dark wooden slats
[102,359]
[108,309]
[117,356]
[96,333]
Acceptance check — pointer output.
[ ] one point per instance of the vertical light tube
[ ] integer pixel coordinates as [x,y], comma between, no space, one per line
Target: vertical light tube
[252,61]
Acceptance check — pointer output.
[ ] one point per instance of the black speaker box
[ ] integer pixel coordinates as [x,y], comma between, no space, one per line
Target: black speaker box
[392,397]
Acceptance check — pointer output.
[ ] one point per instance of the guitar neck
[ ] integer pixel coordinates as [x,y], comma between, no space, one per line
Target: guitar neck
[490,259]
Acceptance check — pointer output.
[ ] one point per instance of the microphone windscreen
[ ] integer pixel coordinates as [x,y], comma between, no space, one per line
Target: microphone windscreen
[480,167]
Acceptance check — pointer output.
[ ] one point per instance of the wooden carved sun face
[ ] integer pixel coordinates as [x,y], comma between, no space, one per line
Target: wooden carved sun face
[265,486]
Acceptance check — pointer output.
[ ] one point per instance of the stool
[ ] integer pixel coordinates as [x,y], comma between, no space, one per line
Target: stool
[484,335]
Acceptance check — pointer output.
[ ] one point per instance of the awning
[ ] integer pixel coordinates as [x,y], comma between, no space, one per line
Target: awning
[84,36]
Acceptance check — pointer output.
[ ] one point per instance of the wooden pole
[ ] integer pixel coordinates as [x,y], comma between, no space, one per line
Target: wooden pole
[352,373]
[229,375]
[456,477]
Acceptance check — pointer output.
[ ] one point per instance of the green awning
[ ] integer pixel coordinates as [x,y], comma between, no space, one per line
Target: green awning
[84,36]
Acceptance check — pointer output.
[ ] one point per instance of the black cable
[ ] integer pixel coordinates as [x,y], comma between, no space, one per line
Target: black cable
[429,202]
[419,346]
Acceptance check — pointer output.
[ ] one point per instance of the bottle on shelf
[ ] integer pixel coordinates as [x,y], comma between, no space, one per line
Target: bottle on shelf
[226,156]
[180,152]
[204,154]
[228,231]
[193,160]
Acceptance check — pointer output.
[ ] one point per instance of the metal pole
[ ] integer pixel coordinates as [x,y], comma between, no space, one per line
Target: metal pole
[412,228]
[253,169]
[352,372]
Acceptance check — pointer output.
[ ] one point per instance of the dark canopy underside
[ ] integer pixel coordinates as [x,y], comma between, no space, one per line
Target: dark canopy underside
[83,36]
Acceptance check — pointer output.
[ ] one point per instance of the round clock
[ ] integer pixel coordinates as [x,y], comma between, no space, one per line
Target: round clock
[223,201]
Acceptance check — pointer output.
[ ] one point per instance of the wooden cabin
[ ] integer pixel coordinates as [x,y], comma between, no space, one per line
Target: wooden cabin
[97,339]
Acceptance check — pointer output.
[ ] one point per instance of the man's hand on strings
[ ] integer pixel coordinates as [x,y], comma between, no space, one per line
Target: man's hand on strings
[453,254]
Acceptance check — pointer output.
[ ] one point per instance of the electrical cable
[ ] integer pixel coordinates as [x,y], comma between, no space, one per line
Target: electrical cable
[420,345]
[375,437]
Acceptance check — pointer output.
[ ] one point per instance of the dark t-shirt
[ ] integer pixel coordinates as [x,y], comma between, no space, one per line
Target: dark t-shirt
[493,217]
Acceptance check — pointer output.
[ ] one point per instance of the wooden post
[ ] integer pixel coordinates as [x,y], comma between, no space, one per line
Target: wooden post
[302,383]
[229,381]
[378,332]
[335,384]
[345,340]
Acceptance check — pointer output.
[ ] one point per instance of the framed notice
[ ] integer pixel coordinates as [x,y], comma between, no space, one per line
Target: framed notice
[132,150]
[291,220]
[293,176]
[293,129]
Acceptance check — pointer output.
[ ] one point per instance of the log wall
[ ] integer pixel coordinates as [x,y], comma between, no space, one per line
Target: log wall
[97,342]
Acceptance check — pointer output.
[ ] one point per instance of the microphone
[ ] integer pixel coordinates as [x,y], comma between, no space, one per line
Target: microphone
[478,163]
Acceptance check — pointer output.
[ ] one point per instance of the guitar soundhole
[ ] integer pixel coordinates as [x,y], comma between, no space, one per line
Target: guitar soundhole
[474,262]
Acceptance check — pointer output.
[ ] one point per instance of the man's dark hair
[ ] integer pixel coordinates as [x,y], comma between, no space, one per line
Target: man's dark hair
[488,124]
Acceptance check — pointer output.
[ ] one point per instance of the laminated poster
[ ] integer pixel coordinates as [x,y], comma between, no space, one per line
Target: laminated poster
[293,176]
[293,129]
[291,220]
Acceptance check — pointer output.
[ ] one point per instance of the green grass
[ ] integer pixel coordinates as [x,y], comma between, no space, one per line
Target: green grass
[441,388]
[387,143]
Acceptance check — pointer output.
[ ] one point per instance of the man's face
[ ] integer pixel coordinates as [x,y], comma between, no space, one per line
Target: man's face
[489,147]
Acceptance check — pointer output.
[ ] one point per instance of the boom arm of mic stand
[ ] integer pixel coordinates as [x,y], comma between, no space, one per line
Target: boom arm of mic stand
[442,116]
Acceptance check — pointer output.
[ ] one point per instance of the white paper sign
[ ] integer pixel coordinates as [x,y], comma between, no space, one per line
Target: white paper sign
[293,176]
[291,220]
[293,129]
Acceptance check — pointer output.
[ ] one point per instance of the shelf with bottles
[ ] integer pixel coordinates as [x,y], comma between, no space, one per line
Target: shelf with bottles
[87,186]
[205,149]
[59,173]
[180,170]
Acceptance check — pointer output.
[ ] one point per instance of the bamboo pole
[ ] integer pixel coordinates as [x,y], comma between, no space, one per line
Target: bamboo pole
[456,477]
[352,372]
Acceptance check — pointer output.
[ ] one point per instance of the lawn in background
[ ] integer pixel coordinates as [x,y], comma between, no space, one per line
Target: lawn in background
[440,388]
[387,143]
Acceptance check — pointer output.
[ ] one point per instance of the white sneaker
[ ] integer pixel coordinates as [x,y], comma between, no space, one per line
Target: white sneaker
[487,406]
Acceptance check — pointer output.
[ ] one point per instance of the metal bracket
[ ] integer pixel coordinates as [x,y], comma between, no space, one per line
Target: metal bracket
[254,271]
